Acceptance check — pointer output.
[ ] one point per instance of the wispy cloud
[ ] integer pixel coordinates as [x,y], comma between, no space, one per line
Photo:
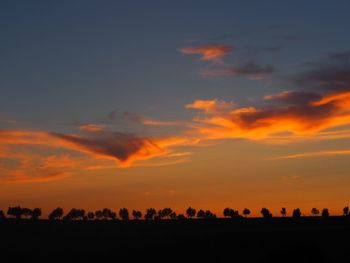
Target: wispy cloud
[213,53]
[92,127]
[313,154]
[250,70]
[288,116]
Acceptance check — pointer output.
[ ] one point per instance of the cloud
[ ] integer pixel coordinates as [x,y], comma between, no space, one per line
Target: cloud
[314,154]
[333,73]
[287,117]
[120,146]
[250,70]
[148,121]
[213,53]
[92,127]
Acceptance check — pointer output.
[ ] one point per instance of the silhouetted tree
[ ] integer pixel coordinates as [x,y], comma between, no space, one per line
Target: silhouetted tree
[165,213]
[124,213]
[57,213]
[191,212]
[150,214]
[265,213]
[173,215]
[108,214]
[229,212]
[75,214]
[181,217]
[246,212]
[296,213]
[91,215]
[27,212]
[2,214]
[113,215]
[98,215]
[205,214]
[209,214]
[346,211]
[325,212]
[283,211]
[201,214]
[315,211]
[15,211]
[136,214]
[36,213]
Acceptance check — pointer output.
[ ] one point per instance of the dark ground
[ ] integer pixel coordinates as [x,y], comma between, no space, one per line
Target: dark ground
[221,240]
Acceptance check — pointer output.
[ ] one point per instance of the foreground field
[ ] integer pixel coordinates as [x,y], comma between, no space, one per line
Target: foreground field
[220,240]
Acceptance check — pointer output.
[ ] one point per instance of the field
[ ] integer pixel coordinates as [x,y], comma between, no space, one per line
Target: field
[305,239]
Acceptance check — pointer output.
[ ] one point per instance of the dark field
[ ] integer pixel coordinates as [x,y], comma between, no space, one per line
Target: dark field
[220,240]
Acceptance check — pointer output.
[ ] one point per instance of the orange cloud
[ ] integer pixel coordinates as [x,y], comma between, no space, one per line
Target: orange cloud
[92,127]
[314,154]
[212,53]
[291,115]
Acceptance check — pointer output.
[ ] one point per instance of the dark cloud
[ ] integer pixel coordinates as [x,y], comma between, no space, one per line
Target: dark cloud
[117,145]
[331,74]
[249,69]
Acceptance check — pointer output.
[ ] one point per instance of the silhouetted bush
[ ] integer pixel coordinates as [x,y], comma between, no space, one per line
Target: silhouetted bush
[346,211]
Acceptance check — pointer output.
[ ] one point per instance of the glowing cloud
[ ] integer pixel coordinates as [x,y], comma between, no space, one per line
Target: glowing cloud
[212,53]
[291,115]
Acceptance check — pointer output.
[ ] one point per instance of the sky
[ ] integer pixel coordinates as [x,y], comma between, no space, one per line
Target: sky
[209,104]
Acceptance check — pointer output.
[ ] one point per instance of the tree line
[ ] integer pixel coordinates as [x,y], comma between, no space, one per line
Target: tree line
[18,212]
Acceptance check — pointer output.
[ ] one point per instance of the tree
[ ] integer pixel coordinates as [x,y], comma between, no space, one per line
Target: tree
[91,215]
[150,214]
[190,212]
[283,211]
[181,217]
[296,213]
[201,214]
[56,214]
[246,212]
[27,212]
[165,213]
[36,213]
[315,211]
[2,214]
[75,214]
[325,212]
[229,212]
[173,215]
[124,213]
[15,211]
[108,214]
[209,215]
[136,214]
[98,215]
[346,211]
[265,213]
